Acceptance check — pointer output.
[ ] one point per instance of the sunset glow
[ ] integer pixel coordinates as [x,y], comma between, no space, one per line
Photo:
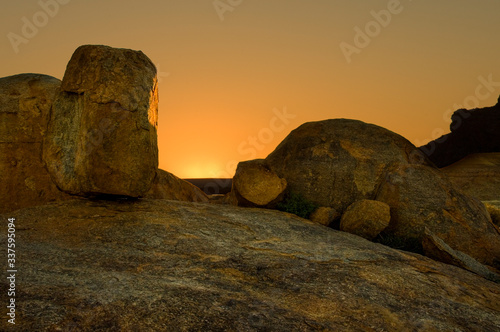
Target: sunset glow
[234,82]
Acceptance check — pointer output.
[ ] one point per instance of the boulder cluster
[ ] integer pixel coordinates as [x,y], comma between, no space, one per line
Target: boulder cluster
[93,134]
[371,182]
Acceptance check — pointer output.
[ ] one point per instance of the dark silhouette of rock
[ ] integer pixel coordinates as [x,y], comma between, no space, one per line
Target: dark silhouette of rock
[101,137]
[420,197]
[334,163]
[25,102]
[477,175]
[157,265]
[472,131]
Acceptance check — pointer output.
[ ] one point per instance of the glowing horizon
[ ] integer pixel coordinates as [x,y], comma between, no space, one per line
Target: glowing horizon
[235,79]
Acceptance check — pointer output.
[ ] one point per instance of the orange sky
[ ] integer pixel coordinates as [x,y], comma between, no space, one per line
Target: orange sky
[236,76]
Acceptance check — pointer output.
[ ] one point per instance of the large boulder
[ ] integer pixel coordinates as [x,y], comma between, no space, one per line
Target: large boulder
[477,175]
[334,163]
[25,102]
[156,265]
[102,138]
[168,186]
[366,218]
[255,184]
[472,131]
[421,196]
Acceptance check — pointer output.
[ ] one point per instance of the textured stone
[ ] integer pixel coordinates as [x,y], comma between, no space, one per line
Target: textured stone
[255,184]
[493,208]
[334,163]
[25,102]
[422,197]
[437,249]
[325,216]
[168,186]
[477,175]
[472,131]
[156,265]
[366,218]
[102,135]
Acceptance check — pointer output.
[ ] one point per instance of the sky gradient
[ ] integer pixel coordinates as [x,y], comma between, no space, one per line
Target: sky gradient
[236,76]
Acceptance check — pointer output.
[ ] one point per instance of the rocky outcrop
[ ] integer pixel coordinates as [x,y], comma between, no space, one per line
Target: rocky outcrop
[168,186]
[437,249]
[334,163]
[101,137]
[25,102]
[151,265]
[255,184]
[366,218]
[420,197]
[472,131]
[477,175]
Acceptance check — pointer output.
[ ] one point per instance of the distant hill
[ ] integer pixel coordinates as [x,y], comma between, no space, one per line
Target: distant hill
[472,131]
[213,186]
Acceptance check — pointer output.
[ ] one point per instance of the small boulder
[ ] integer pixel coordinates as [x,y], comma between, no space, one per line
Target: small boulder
[25,102]
[437,249]
[324,216]
[421,196]
[255,184]
[102,138]
[366,218]
[168,186]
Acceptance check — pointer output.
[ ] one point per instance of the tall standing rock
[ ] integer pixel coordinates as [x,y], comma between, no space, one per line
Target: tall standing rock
[102,136]
[25,102]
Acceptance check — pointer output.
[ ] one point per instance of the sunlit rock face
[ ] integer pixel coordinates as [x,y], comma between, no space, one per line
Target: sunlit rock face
[159,265]
[102,135]
[25,102]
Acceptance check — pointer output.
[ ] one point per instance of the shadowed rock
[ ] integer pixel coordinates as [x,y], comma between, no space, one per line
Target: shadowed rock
[168,186]
[325,216]
[156,265]
[437,249]
[477,175]
[25,102]
[420,197]
[102,136]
